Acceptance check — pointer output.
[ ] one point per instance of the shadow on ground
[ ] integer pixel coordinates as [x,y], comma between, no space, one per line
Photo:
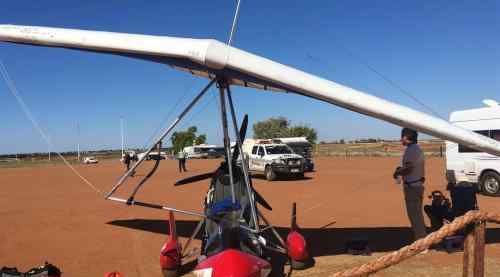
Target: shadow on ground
[322,241]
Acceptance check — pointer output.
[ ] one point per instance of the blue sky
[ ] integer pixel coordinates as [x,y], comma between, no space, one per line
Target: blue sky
[446,53]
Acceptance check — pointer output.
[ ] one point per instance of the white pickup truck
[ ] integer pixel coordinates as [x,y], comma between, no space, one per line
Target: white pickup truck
[272,159]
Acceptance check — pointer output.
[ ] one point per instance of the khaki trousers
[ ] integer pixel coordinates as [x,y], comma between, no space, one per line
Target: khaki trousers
[414,194]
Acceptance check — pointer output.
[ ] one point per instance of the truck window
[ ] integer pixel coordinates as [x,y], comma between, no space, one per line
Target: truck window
[495,134]
[465,149]
[278,149]
[261,151]
[254,150]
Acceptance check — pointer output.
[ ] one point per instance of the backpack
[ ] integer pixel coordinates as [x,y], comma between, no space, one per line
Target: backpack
[47,270]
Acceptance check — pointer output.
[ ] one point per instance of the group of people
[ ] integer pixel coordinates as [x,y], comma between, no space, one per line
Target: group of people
[128,158]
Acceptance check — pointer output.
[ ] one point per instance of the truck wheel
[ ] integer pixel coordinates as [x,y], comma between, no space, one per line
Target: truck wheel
[270,174]
[490,183]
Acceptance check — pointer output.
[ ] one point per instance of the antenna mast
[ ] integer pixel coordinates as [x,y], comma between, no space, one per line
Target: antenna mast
[78,139]
[121,131]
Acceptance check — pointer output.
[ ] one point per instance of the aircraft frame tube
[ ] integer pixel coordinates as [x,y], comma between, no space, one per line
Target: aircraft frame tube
[227,142]
[243,161]
[165,133]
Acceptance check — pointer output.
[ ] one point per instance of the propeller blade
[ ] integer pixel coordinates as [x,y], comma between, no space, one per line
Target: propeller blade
[243,133]
[261,200]
[193,179]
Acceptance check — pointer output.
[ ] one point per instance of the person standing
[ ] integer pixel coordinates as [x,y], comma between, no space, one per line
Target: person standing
[412,173]
[126,161]
[182,161]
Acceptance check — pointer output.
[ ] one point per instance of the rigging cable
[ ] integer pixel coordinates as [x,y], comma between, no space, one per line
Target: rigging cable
[167,117]
[14,91]
[390,81]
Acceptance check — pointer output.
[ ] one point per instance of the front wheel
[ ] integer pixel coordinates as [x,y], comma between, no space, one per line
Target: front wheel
[490,183]
[270,174]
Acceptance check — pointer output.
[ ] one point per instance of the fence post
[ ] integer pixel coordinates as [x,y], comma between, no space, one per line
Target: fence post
[468,259]
[473,260]
[479,235]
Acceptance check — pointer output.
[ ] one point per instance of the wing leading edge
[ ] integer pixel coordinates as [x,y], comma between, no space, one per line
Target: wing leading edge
[210,58]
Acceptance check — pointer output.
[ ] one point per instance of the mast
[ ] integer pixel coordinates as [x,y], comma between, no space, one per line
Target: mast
[78,139]
[121,131]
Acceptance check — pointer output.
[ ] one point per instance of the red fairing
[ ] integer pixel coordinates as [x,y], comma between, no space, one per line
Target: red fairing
[297,247]
[234,263]
[170,254]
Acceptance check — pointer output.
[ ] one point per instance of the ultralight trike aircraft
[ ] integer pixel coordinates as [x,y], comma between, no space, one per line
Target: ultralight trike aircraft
[236,237]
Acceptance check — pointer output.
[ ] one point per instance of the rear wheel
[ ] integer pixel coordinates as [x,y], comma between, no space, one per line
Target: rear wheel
[169,272]
[270,174]
[300,265]
[490,183]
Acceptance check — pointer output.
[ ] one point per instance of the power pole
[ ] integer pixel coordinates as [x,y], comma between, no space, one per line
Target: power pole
[121,131]
[78,139]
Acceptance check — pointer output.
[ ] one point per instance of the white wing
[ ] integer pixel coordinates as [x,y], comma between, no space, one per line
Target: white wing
[211,58]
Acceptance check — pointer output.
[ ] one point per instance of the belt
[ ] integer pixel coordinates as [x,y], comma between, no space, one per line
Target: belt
[421,180]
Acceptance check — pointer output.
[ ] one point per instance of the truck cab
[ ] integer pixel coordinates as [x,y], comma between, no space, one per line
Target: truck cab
[464,164]
[273,159]
[301,146]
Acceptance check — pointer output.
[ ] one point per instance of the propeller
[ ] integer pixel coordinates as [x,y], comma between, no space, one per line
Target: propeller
[236,153]
[243,132]
[195,178]
[259,199]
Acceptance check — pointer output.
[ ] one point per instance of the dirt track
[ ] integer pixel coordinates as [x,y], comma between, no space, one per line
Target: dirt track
[49,214]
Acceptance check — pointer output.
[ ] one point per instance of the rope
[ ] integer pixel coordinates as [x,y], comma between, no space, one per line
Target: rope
[13,89]
[419,245]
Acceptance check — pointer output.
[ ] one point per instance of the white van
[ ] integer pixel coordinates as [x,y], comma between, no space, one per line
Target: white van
[203,151]
[469,165]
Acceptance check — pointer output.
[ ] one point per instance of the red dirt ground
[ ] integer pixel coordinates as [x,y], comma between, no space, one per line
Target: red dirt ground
[49,214]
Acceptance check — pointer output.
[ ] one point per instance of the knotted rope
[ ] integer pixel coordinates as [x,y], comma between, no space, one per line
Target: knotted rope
[419,245]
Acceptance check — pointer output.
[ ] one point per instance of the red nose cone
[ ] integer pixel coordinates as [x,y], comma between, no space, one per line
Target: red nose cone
[234,263]
[297,248]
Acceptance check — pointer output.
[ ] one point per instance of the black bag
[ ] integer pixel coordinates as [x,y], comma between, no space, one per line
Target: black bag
[47,270]
[463,198]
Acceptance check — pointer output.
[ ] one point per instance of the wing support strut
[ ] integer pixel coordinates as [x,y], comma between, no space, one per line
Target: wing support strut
[227,143]
[165,133]
[244,165]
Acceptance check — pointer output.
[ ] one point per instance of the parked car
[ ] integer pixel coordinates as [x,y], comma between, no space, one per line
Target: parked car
[90,160]
[272,159]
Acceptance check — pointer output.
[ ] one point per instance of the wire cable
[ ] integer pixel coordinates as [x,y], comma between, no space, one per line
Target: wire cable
[15,92]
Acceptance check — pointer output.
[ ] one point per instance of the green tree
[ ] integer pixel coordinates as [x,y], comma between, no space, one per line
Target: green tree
[201,139]
[273,127]
[182,139]
[303,131]
[276,127]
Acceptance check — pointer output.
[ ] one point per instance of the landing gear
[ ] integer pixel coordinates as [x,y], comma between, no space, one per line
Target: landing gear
[169,272]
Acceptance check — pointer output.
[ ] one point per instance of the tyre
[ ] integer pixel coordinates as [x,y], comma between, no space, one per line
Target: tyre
[270,174]
[300,265]
[169,272]
[490,183]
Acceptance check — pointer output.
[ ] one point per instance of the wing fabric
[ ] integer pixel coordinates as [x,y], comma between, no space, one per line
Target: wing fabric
[210,58]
